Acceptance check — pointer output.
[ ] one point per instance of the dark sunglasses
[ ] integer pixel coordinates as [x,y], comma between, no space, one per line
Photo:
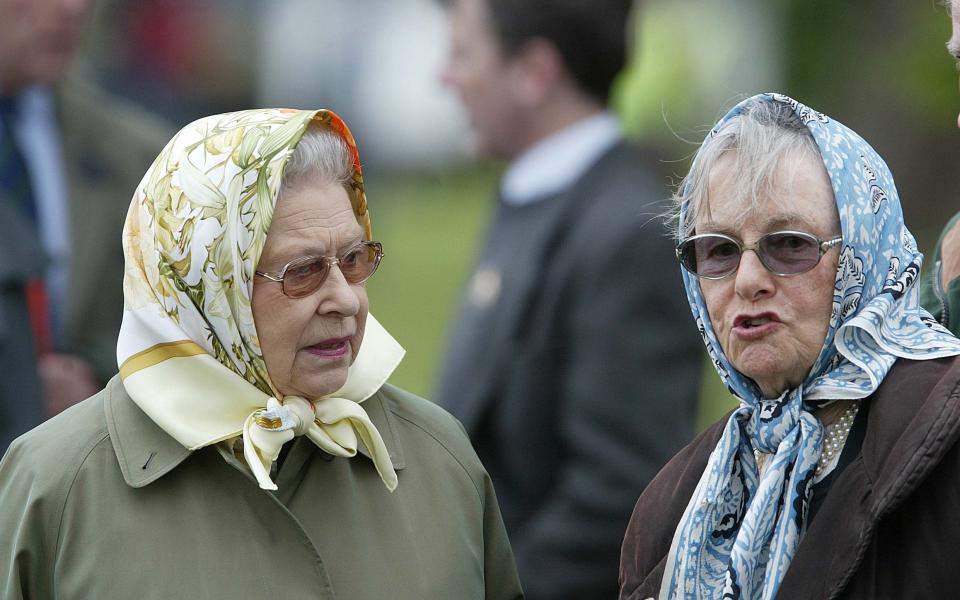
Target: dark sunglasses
[302,276]
[715,256]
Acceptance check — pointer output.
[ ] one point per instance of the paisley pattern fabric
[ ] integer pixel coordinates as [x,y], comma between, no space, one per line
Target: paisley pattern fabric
[740,530]
[188,349]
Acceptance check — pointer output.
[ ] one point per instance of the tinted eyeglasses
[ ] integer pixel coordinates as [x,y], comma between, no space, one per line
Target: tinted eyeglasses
[302,276]
[715,256]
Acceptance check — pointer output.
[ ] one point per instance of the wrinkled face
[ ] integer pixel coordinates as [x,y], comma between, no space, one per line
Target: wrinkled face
[954,44]
[37,40]
[483,78]
[309,343]
[770,327]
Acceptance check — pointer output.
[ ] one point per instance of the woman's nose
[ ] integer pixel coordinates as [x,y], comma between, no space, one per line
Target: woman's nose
[337,295]
[753,280]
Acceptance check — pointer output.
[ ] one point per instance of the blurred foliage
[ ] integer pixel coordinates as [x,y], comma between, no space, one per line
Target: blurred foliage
[688,64]
[878,48]
[881,68]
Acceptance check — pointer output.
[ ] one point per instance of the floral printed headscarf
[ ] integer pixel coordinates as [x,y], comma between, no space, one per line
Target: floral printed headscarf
[740,529]
[188,350]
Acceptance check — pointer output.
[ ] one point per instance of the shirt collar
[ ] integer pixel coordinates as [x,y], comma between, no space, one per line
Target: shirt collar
[146,452]
[554,163]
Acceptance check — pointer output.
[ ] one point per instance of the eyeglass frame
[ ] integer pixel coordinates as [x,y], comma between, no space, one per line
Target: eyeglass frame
[823,246]
[329,262]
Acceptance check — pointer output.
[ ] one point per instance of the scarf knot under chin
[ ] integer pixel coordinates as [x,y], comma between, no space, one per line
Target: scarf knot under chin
[772,420]
[336,425]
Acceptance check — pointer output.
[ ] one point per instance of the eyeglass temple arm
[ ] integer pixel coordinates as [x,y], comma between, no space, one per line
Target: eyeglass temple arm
[824,246]
[269,276]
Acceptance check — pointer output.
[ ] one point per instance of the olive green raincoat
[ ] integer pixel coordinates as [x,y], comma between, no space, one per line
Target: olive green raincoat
[100,503]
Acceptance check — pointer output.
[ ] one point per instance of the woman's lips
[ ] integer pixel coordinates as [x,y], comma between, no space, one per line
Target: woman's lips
[332,348]
[751,327]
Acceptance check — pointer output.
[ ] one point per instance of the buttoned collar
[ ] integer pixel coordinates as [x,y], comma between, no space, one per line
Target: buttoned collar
[554,163]
[146,452]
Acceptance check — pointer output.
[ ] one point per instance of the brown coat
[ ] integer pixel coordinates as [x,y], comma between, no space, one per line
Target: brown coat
[888,527]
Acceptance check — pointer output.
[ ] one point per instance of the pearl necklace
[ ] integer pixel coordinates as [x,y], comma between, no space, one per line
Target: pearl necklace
[835,436]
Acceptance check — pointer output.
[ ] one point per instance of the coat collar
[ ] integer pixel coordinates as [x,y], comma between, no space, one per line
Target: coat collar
[146,452]
[914,420]
[910,439]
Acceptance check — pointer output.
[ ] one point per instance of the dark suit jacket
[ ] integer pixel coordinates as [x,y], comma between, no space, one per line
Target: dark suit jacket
[21,259]
[107,147]
[574,367]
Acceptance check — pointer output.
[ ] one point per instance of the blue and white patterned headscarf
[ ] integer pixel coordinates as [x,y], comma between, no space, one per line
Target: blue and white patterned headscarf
[740,531]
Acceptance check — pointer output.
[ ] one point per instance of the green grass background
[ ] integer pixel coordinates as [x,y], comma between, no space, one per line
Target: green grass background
[431,227]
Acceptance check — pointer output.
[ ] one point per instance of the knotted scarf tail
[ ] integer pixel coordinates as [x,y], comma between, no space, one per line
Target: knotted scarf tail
[771,528]
[698,558]
[333,424]
[261,451]
[339,418]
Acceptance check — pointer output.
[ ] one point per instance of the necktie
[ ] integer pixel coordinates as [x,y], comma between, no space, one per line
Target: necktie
[16,188]
[14,177]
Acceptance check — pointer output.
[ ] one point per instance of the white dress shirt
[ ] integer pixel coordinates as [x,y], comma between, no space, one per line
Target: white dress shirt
[555,162]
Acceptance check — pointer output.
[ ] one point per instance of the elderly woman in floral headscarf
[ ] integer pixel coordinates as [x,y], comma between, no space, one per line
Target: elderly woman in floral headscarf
[839,473]
[250,446]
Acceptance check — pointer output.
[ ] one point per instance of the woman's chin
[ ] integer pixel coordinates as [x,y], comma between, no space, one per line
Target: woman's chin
[772,382]
[317,385]
[766,370]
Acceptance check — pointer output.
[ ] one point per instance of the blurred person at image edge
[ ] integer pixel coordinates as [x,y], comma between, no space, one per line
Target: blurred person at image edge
[571,364]
[69,156]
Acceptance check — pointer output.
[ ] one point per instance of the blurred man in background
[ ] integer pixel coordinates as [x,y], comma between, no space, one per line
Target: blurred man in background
[941,294]
[571,364]
[64,190]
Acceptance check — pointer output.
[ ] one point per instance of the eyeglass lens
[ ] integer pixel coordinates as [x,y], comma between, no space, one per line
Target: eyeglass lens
[718,256]
[357,265]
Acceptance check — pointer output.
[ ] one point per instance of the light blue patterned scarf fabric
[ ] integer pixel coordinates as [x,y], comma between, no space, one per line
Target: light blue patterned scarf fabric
[740,531]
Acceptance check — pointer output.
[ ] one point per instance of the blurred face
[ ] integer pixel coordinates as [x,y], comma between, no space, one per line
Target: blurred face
[483,78]
[309,343]
[38,39]
[954,44]
[772,327]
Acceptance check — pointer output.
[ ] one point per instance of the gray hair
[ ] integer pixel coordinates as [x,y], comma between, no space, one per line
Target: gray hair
[760,139]
[322,154]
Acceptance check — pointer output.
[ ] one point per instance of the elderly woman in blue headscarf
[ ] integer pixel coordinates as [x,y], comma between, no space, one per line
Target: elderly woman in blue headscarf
[839,473]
